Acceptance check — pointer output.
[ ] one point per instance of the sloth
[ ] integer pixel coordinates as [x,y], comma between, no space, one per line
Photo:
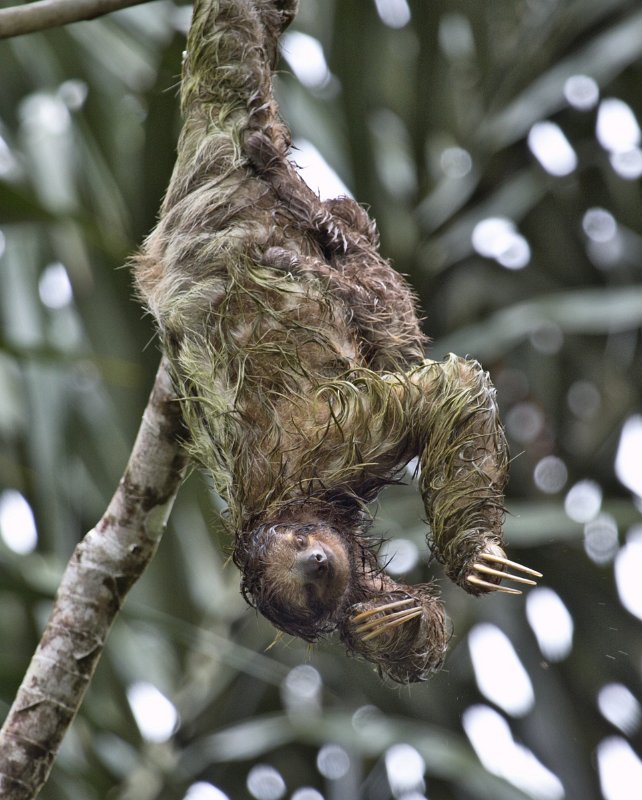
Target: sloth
[299,361]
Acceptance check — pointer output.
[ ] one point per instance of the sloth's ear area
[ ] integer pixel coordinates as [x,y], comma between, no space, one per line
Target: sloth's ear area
[401,629]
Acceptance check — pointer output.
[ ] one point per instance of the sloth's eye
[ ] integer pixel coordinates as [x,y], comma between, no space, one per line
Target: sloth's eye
[300,540]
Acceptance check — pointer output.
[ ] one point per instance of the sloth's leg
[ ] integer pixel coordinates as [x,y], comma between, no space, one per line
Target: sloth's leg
[463,459]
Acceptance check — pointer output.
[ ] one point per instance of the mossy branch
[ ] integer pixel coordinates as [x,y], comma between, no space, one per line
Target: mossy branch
[102,569]
[32,17]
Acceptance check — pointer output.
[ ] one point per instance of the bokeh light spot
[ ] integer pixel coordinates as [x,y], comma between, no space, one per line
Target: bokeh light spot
[601,539]
[620,707]
[628,460]
[306,58]
[399,555]
[581,92]
[499,673]
[497,237]
[307,793]
[54,286]
[628,164]
[265,783]
[17,523]
[628,569]
[551,623]
[584,399]
[524,422]
[550,474]
[405,768]
[317,173]
[599,225]
[333,762]
[552,149]
[617,129]
[620,769]
[301,689]
[155,715]
[393,13]
[456,162]
[492,739]
[204,791]
[583,501]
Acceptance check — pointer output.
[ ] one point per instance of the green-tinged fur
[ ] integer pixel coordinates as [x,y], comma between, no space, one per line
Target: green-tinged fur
[296,349]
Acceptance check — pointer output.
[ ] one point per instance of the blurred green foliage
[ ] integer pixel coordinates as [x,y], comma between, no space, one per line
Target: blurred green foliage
[427,123]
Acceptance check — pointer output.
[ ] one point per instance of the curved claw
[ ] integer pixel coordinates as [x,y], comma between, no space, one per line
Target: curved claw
[491,587]
[376,609]
[481,570]
[508,563]
[374,627]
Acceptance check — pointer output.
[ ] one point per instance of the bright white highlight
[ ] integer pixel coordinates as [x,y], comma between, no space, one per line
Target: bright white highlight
[620,769]
[581,92]
[265,783]
[492,740]
[73,93]
[551,623]
[456,162]
[155,716]
[204,791]
[628,165]
[333,762]
[583,501]
[599,225]
[620,707]
[301,690]
[552,149]
[628,568]
[628,460]
[405,768]
[617,129]
[497,237]
[305,56]
[317,173]
[601,539]
[46,113]
[499,673]
[54,286]
[393,13]
[307,793]
[17,523]
[524,422]
[550,474]
[399,556]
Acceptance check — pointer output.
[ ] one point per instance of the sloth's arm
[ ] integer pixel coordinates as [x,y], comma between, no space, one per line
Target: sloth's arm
[226,89]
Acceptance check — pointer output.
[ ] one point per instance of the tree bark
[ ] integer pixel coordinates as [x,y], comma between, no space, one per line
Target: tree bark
[102,569]
[32,17]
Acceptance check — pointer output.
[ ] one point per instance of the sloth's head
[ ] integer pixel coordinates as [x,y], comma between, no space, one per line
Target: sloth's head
[299,576]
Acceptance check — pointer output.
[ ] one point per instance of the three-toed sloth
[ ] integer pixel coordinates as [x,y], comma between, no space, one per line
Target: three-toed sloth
[299,363]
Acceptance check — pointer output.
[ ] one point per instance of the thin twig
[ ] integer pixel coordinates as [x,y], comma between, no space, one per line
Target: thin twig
[32,17]
[102,569]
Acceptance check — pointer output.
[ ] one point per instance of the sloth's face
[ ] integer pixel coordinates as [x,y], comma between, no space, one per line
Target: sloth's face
[306,578]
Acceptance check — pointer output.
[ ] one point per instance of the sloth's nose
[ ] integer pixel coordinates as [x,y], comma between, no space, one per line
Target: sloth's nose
[314,562]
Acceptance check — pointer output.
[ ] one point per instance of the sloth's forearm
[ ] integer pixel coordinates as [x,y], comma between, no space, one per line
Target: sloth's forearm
[463,458]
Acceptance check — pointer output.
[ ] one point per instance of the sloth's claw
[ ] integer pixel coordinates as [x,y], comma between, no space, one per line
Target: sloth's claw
[480,571]
[505,562]
[374,626]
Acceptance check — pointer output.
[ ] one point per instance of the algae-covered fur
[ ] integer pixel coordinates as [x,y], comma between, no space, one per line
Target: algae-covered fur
[299,363]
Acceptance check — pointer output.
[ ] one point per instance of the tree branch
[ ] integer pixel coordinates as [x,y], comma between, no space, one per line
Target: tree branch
[32,17]
[102,569]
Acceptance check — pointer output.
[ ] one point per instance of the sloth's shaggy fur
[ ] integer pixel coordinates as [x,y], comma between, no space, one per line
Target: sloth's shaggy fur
[298,356]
